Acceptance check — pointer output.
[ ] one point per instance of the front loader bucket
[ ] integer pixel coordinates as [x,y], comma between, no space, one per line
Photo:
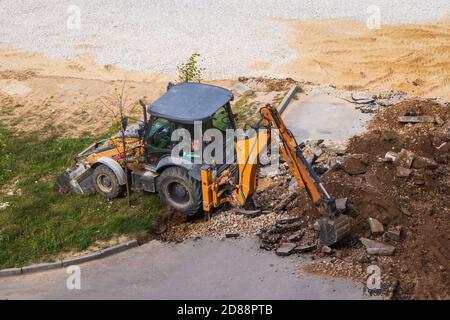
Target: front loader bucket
[62,184]
[333,230]
[77,180]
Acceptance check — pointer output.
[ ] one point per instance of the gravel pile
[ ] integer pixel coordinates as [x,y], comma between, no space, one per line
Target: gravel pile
[156,36]
[226,223]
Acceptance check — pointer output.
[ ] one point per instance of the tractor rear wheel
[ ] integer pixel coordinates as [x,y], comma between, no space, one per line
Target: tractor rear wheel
[176,188]
[106,182]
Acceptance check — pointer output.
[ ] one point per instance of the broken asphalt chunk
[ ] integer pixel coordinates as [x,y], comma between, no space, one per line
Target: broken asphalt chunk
[284,202]
[289,220]
[271,238]
[377,248]
[304,249]
[250,213]
[286,249]
[376,227]
[416,119]
[390,156]
[394,233]
[424,163]
[282,228]
[296,236]
[341,205]
[231,235]
[403,172]
[326,249]
[405,158]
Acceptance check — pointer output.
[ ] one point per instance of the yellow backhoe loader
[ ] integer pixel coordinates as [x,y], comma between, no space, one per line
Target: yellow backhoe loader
[182,180]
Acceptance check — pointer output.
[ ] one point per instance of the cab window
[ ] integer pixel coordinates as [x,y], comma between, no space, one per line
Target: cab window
[221,119]
[159,134]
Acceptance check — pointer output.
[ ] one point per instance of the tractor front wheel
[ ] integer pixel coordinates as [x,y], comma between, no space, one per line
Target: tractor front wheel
[106,182]
[179,190]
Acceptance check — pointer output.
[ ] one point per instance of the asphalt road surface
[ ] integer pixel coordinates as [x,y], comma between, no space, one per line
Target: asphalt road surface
[194,269]
[324,117]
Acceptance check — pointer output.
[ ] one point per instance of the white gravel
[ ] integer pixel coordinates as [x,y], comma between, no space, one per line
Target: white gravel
[156,35]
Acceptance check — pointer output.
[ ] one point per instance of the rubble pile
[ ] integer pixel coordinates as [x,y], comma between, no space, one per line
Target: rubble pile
[287,236]
[396,177]
[229,222]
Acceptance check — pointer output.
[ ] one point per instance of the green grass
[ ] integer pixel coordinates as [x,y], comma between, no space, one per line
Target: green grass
[247,110]
[40,224]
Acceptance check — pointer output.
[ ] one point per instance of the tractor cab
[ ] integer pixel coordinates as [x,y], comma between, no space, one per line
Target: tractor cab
[181,107]
[177,179]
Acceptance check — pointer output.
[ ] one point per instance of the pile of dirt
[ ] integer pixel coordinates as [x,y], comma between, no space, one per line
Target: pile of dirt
[417,202]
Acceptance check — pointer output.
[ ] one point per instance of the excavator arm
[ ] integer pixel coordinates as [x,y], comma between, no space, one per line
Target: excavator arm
[333,226]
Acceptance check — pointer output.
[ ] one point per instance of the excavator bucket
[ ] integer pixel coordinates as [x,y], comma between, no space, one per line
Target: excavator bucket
[75,180]
[334,229]
[62,184]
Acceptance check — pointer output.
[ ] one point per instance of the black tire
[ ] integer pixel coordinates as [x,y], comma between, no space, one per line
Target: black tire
[176,188]
[106,183]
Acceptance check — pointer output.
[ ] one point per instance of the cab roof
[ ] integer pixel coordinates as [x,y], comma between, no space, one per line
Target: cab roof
[188,102]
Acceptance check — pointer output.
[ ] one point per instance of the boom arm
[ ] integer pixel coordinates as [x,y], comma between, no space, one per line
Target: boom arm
[333,227]
[299,167]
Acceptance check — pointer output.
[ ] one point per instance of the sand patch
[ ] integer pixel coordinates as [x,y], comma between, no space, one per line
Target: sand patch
[411,58]
[14,87]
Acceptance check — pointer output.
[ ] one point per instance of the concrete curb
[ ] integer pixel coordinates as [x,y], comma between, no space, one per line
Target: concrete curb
[287,98]
[69,262]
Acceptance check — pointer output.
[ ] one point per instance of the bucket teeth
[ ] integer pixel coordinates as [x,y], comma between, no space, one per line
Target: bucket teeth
[333,230]
[62,184]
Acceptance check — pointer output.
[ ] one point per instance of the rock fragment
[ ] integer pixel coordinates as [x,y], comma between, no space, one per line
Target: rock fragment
[326,249]
[394,233]
[416,119]
[231,235]
[376,227]
[249,213]
[306,248]
[285,249]
[424,163]
[402,172]
[341,204]
[4,205]
[289,220]
[390,156]
[405,158]
[353,165]
[296,236]
[377,248]
[284,202]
